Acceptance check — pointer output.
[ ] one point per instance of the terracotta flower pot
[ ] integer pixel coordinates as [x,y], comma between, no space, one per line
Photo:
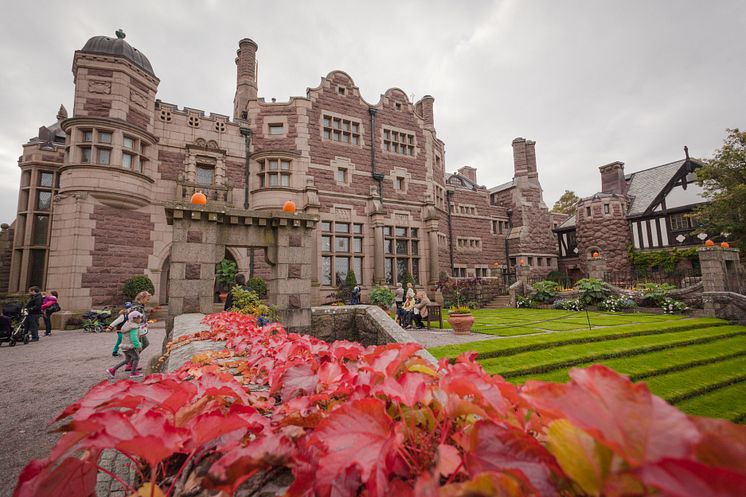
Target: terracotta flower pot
[461,323]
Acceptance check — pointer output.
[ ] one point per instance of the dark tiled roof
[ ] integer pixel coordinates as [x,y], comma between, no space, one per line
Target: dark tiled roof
[644,186]
[119,48]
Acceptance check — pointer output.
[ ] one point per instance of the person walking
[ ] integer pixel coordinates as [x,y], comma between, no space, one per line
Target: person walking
[132,347]
[33,307]
[49,306]
[355,295]
[141,300]
[399,300]
[118,324]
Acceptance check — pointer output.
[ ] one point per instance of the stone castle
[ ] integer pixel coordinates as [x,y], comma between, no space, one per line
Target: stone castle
[94,184]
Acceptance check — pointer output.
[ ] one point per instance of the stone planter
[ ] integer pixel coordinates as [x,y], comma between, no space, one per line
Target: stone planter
[461,323]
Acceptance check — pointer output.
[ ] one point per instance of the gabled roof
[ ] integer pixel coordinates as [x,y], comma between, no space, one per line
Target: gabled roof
[569,223]
[645,186]
[502,187]
[465,182]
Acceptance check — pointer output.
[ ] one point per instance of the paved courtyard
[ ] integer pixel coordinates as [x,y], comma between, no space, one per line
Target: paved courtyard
[42,378]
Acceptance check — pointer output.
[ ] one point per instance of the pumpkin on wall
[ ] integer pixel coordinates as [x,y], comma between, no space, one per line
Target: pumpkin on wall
[199,198]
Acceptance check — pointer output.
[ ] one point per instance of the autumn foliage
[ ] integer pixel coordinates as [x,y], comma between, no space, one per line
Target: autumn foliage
[339,419]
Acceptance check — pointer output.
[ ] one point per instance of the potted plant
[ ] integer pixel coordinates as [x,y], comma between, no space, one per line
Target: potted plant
[383,297]
[225,272]
[460,319]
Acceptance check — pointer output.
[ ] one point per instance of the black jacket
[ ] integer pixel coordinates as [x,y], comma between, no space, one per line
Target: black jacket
[34,305]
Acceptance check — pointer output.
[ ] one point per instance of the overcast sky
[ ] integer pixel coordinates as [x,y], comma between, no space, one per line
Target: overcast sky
[590,81]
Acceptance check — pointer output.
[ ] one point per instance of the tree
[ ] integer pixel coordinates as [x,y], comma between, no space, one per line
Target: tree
[724,181]
[566,203]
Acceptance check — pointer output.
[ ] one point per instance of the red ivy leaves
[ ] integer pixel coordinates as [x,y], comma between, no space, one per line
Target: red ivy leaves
[350,420]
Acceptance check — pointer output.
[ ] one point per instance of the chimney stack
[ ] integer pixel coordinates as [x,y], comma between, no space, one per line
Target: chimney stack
[612,178]
[424,108]
[524,158]
[468,172]
[246,86]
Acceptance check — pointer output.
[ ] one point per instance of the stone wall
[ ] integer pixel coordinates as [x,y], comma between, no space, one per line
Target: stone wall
[6,254]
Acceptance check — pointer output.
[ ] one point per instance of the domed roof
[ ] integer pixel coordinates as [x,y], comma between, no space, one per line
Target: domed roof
[119,48]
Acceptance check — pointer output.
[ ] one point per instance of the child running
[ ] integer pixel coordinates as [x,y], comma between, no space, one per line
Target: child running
[131,346]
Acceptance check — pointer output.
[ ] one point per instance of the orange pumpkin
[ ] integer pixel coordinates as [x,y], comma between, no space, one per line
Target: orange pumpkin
[199,198]
[709,243]
[725,245]
[596,254]
[521,262]
[289,207]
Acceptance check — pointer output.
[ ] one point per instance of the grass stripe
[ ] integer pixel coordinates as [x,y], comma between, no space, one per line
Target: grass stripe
[682,385]
[577,354]
[500,348]
[728,402]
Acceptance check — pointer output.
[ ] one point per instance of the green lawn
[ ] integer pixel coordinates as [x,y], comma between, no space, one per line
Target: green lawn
[698,365]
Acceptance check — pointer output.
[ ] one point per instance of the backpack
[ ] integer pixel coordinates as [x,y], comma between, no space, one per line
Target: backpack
[54,308]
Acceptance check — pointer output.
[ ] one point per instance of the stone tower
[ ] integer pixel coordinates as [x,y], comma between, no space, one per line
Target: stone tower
[601,226]
[107,175]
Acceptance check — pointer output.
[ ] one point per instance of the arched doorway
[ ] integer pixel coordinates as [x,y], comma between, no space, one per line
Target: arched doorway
[219,286]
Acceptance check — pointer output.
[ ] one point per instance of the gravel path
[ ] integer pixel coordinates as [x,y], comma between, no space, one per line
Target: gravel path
[40,379]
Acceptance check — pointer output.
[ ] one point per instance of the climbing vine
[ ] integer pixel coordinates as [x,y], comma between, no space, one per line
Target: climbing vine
[665,260]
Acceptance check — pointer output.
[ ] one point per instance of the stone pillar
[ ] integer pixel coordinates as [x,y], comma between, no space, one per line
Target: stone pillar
[290,280]
[720,269]
[194,253]
[523,274]
[379,275]
[434,263]
[596,267]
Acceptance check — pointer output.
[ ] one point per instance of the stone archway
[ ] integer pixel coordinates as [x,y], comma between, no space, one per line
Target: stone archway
[200,236]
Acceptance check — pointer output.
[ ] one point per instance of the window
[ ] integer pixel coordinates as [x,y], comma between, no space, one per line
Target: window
[398,142]
[340,129]
[482,272]
[276,129]
[165,116]
[399,183]
[128,161]
[205,175]
[341,251]
[341,90]
[342,175]
[88,135]
[274,173]
[220,126]
[401,247]
[469,244]
[193,122]
[46,179]
[680,222]
[36,267]
[606,208]
[459,272]
[104,154]
[587,212]
[494,227]
[40,230]
[104,137]
[43,200]
[128,143]
[440,197]
[85,155]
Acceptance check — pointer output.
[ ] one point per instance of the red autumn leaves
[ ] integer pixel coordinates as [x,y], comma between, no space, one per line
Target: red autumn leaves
[380,421]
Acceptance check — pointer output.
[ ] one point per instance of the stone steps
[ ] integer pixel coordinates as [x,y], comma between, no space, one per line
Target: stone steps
[500,302]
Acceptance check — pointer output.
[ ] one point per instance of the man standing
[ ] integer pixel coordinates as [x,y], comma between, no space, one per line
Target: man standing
[33,307]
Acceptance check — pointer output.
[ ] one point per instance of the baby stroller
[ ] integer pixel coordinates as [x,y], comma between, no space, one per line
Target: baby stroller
[12,329]
[96,321]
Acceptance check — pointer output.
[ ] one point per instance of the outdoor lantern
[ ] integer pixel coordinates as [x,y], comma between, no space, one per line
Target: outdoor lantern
[289,207]
[199,198]
[725,245]
[709,243]
[596,255]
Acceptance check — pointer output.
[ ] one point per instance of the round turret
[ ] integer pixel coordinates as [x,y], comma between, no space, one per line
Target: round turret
[601,227]
[117,47]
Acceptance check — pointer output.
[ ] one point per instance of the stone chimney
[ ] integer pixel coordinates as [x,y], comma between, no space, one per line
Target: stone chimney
[612,178]
[468,172]
[246,86]
[524,158]
[424,108]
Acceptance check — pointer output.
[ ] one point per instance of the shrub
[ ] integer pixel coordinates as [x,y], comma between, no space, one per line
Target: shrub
[248,302]
[569,305]
[225,272]
[258,285]
[137,284]
[653,294]
[592,290]
[523,302]
[408,278]
[350,279]
[459,309]
[616,304]
[562,279]
[544,290]
[382,296]
[671,306]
